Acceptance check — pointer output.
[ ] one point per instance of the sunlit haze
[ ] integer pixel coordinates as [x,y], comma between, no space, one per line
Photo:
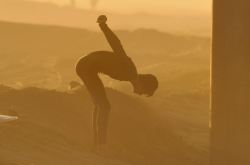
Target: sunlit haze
[105,82]
[150,6]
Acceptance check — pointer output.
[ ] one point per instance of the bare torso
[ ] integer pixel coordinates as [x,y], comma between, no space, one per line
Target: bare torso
[117,67]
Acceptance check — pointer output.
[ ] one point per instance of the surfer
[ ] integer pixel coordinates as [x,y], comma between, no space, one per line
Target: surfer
[116,65]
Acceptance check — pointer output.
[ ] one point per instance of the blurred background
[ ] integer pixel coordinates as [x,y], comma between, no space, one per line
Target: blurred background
[40,42]
[192,16]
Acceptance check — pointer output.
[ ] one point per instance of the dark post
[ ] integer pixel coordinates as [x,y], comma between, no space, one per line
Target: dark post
[230,131]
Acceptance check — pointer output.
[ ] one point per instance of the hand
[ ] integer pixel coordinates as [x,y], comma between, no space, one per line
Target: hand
[102,19]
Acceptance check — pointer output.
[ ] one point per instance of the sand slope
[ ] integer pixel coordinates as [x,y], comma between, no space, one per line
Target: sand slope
[55,129]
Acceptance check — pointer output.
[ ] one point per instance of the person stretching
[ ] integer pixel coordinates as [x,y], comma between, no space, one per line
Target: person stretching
[116,65]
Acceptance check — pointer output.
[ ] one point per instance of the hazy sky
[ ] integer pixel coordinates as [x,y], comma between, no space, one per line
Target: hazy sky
[152,6]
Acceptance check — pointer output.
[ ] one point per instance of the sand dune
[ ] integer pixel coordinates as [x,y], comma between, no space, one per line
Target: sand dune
[55,128]
[44,56]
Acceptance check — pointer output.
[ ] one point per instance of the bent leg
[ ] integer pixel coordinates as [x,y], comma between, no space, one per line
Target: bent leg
[101,112]
[94,124]
[102,122]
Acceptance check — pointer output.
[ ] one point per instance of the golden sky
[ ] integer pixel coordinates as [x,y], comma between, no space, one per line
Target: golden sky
[151,6]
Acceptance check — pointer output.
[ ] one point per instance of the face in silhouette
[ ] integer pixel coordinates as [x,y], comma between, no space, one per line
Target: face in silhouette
[138,88]
[145,84]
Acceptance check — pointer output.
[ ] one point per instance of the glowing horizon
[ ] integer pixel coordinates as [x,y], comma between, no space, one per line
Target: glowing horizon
[148,6]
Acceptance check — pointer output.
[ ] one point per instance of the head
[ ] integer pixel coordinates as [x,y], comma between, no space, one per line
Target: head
[145,84]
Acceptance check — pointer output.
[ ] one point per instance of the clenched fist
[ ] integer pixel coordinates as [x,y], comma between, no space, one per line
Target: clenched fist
[102,19]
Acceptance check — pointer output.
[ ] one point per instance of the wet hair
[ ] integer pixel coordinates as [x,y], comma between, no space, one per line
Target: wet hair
[149,83]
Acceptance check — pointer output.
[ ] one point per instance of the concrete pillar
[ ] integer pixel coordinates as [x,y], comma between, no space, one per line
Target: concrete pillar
[230,100]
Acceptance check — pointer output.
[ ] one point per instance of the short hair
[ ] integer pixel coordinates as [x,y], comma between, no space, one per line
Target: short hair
[149,82]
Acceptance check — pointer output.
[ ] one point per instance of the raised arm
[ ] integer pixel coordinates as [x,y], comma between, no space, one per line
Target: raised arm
[112,39]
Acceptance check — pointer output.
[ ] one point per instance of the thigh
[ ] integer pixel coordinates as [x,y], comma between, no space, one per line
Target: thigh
[97,91]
